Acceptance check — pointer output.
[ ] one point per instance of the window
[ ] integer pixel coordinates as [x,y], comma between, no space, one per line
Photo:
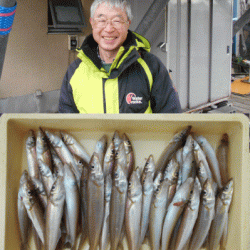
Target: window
[65,16]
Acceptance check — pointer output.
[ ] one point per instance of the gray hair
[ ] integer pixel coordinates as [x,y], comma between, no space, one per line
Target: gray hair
[125,5]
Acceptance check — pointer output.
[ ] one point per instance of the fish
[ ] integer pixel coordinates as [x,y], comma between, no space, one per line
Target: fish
[116,139]
[158,211]
[83,206]
[129,154]
[211,158]
[109,159]
[40,190]
[189,217]
[117,205]
[189,164]
[95,201]
[223,202]
[34,208]
[205,216]
[74,146]
[54,213]
[121,158]
[31,154]
[72,202]
[105,234]
[57,163]
[222,156]
[157,180]
[175,143]
[147,181]
[203,169]
[171,174]
[224,237]
[43,148]
[101,147]
[46,176]
[23,218]
[63,153]
[174,211]
[133,211]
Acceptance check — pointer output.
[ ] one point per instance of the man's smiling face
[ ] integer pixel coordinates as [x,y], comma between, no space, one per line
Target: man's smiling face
[112,35]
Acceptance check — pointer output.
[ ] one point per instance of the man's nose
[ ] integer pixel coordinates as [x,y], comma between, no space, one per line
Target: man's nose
[109,26]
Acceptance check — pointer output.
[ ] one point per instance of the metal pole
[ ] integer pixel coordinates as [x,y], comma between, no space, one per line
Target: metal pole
[241,22]
[154,10]
[4,38]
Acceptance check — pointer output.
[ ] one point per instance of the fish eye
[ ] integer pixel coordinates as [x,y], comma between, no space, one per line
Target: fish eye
[92,166]
[43,138]
[130,184]
[204,192]
[112,151]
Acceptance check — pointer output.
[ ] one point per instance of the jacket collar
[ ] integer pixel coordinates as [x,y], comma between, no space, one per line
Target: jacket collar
[132,44]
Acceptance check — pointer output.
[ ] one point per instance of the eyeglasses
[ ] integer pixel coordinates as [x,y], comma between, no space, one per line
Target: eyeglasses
[103,22]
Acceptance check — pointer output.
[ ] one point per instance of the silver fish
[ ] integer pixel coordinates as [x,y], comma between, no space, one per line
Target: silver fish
[133,211]
[158,210]
[57,163]
[42,148]
[83,200]
[177,142]
[72,200]
[147,180]
[95,201]
[121,158]
[171,174]
[118,203]
[34,208]
[116,139]
[40,190]
[109,159]
[46,176]
[31,155]
[101,147]
[204,171]
[54,213]
[211,158]
[63,153]
[189,163]
[205,216]
[23,218]
[222,205]
[74,146]
[189,218]
[157,180]
[175,209]
[129,154]
[105,234]
[222,156]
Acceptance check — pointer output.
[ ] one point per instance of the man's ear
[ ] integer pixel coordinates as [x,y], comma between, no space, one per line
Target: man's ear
[91,22]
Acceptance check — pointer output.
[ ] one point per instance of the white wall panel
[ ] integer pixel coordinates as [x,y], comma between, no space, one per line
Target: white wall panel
[221,49]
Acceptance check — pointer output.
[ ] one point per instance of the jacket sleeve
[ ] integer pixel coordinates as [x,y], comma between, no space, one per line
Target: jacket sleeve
[164,97]
[66,100]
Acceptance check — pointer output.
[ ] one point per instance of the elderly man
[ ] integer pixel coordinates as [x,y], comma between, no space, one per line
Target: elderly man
[115,72]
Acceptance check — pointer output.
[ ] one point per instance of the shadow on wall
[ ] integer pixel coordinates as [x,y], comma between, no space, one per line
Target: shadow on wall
[38,102]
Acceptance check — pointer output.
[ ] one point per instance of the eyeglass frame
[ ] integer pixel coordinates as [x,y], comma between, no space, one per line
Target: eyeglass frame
[111,21]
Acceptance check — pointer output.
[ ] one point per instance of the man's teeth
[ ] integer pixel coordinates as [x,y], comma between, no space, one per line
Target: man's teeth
[109,38]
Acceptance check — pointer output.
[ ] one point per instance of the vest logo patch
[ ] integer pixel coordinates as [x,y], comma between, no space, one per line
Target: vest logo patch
[131,98]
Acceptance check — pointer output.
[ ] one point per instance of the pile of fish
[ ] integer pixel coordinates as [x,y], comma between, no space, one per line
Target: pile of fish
[67,197]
